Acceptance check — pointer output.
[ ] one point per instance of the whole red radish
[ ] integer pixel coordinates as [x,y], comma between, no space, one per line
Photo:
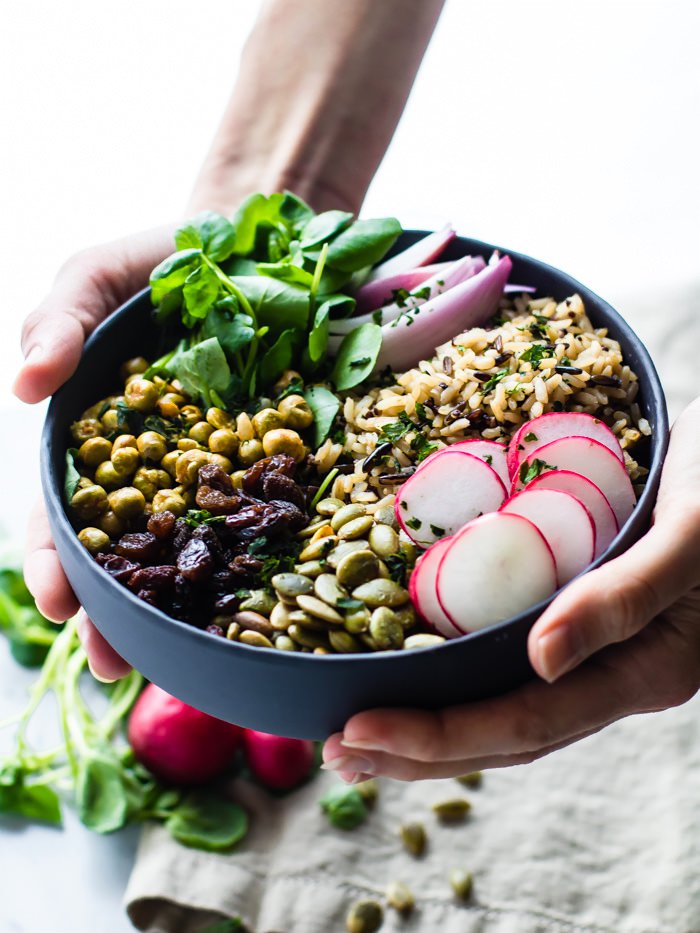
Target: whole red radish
[278,762]
[177,742]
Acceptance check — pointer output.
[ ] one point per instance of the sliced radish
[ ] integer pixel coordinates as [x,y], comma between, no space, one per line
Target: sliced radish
[496,567]
[586,491]
[550,427]
[423,593]
[492,453]
[592,459]
[446,493]
[565,523]
[420,254]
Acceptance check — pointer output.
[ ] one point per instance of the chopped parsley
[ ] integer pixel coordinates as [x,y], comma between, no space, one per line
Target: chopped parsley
[195,517]
[535,354]
[378,316]
[488,459]
[404,504]
[398,565]
[539,327]
[397,430]
[437,531]
[281,557]
[362,361]
[170,428]
[414,523]
[531,436]
[495,379]
[531,470]
[347,602]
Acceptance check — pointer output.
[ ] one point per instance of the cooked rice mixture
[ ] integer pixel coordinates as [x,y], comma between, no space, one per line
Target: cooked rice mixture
[541,357]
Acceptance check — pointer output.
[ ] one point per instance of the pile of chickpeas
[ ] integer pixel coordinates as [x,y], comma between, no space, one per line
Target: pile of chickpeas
[123,477]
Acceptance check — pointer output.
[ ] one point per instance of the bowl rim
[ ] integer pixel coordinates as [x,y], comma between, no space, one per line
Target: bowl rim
[55,499]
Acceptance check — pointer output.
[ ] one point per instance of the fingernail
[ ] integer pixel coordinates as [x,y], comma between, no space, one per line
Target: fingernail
[352,763]
[102,680]
[34,355]
[556,653]
[367,745]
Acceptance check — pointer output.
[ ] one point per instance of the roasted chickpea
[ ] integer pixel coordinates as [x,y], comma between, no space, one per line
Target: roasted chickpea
[222,462]
[124,440]
[110,420]
[106,475]
[111,524]
[285,380]
[84,482]
[188,464]
[218,419]
[250,452]
[94,451]
[141,394]
[86,428]
[190,414]
[151,445]
[93,412]
[267,419]
[149,481]
[89,502]
[167,409]
[93,539]
[244,427]
[201,432]
[168,462]
[188,493]
[237,479]
[127,503]
[296,412]
[187,443]
[169,501]
[223,441]
[132,367]
[125,461]
[284,441]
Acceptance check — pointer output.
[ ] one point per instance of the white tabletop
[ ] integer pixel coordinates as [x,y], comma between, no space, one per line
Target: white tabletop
[564,130]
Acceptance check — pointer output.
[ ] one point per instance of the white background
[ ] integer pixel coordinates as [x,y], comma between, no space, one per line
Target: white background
[565,130]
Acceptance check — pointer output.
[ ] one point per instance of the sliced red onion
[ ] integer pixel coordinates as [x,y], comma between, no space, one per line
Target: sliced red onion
[520,289]
[420,254]
[375,293]
[413,337]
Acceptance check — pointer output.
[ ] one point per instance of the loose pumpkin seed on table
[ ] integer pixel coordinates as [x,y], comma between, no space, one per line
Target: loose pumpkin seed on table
[364,917]
[461,882]
[473,779]
[454,810]
[400,897]
[413,837]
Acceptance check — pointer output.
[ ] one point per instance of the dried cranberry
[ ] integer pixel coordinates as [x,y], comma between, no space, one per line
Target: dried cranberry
[195,562]
[142,546]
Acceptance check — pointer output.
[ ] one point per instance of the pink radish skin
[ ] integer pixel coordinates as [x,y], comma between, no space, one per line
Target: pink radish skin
[423,592]
[595,461]
[493,454]
[496,567]
[446,493]
[278,762]
[565,523]
[555,425]
[583,489]
[177,742]
[420,254]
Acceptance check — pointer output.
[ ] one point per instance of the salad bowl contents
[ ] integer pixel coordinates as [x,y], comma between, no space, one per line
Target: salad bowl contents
[332,457]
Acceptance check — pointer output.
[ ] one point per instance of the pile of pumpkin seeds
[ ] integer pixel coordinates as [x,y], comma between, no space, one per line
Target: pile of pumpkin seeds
[340,598]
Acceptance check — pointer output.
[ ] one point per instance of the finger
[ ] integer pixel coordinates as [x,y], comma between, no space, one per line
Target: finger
[104,662]
[614,602]
[89,287]
[43,572]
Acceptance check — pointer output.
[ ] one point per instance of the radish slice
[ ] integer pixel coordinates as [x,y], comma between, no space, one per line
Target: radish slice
[565,523]
[496,567]
[586,491]
[551,427]
[423,593]
[592,459]
[420,254]
[446,493]
[489,451]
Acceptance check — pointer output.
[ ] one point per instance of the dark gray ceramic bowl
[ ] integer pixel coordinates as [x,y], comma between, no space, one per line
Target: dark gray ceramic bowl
[305,695]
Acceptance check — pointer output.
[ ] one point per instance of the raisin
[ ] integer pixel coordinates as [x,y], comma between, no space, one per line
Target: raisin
[279,486]
[182,535]
[212,475]
[215,630]
[228,603]
[195,562]
[148,596]
[216,501]
[118,567]
[245,566]
[161,577]
[161,524]
[289,516]
[142,546]
[278,463]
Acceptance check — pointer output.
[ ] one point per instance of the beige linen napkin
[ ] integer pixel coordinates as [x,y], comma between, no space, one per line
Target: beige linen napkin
[601,837]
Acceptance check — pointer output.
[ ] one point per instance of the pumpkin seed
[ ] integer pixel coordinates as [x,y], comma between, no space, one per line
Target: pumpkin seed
[357,621]
[473,779]
[452,811]
[355,528]
[461,882]
[285,643]
[328,589]
[312,527]
[279,617]
[384,572]
[343,642]
[321,649]
[385,629]
[381,593]
[233,631]
[291,585]
[369,791]
[255,639]
[406,616]
[413,837]
[329,506]
[400,897]
[385,515]
[299,617]
[304,637]
[364,917]
[312,568]
[322,532]
[423,640]
[345,547]
[318,549]
[254,622]
[383,540]
[319,609]
[347,514]
[259,601]
[357,567]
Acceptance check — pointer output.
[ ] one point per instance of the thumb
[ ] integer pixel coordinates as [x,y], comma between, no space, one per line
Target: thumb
[90,286]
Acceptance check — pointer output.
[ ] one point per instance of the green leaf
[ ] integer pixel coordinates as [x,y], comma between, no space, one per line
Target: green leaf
[294,211]
[255,212]
[202,368]
[286,271]
[278,358]
[530,470]
[344,806]
[324,404]
[323,227]
[211,232]
[231,327]
[277,305]
[13,585]
[356,356]
[318,338]
[363,243]
[33,802]
[208,822]
[172,272]
[27,652]
[101,798]
[201,291]
[72,478]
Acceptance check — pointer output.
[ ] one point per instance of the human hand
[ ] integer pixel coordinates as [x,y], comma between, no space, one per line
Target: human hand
[91,285]
[623,639]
